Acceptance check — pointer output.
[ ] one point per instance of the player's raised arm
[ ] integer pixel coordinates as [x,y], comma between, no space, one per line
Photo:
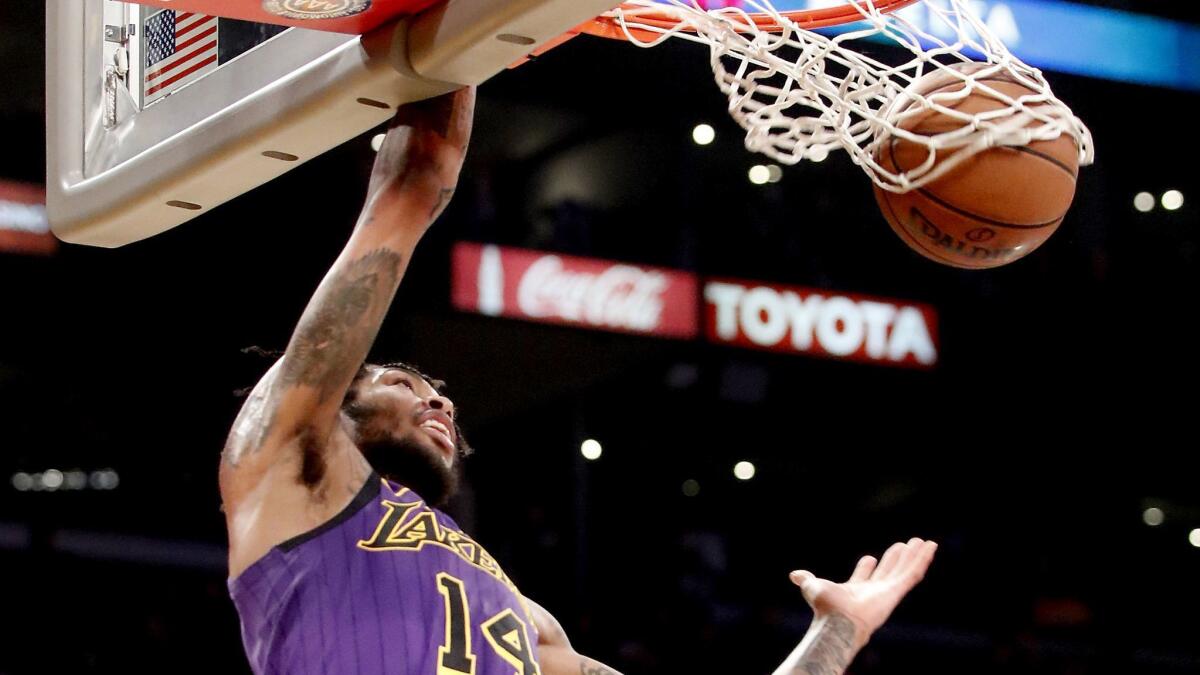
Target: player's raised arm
[415,174]
[845,616]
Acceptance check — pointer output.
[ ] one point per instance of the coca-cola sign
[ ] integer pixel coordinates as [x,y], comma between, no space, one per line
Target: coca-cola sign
[822,323]
[552,288]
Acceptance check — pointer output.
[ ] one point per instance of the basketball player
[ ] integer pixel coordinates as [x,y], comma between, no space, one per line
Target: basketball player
[339,561]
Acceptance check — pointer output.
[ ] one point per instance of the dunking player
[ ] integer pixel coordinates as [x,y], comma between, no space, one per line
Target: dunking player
[339,561]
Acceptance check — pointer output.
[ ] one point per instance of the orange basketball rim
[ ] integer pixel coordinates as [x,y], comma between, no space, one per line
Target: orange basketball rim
[609,25]
[361,16]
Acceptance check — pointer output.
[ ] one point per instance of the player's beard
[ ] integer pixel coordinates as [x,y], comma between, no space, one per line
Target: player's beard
[413,464]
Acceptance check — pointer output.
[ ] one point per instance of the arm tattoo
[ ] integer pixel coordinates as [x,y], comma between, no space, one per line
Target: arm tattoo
[338,329]
[590,667]
[443,199]
[830,653]
[441,108]
[330,343]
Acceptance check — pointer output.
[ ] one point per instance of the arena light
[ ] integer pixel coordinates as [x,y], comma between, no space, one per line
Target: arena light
[75,480]
[774,173]
[106,479]
[691,488]
[377,142]
[1172,200]
[759,174]
[591,449]
[22,482]
[52,479]
[743,470]
[704,134]
[1194,537]
[1153,516]
[1144,202]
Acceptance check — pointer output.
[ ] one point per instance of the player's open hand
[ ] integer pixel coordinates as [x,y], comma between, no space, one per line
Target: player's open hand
[873,591]
[423,152]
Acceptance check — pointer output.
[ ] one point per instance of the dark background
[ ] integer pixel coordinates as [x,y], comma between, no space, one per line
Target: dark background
[1063,405]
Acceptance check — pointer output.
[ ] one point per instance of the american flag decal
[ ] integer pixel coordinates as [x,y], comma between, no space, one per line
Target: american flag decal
[180,48]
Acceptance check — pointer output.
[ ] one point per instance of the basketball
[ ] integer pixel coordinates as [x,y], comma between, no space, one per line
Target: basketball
[994,208]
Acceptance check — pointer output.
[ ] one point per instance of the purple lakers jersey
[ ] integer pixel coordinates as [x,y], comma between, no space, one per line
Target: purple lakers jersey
[390,585]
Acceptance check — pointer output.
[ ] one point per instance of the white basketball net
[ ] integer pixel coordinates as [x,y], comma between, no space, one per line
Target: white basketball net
[800,94]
